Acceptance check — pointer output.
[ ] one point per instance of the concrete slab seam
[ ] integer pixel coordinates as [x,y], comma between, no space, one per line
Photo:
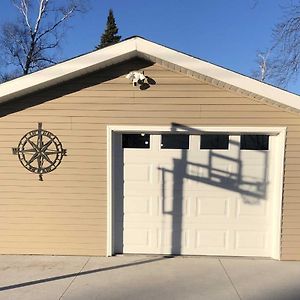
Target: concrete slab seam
[232,284]
[68,286]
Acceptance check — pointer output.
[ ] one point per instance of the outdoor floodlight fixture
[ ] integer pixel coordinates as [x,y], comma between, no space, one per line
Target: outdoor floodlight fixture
[136,77]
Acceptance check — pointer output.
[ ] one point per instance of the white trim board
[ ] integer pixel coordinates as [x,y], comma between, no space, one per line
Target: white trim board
[137,46]
[280,132]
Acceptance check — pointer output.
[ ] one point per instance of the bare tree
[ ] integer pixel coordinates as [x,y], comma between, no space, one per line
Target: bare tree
[263,71]
[286,59]
[28,44]
[283,59]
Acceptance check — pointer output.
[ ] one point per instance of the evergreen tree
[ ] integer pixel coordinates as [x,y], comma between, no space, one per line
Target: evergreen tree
[109,37]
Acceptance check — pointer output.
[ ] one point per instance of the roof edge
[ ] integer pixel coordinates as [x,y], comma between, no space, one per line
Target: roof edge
[67,70]
[221,74]
[136,46]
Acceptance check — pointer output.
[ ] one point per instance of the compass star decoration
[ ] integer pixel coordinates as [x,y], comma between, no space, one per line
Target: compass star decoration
[40,151]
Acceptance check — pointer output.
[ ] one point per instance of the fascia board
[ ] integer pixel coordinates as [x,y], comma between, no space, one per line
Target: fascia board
[218,73]
[67,70]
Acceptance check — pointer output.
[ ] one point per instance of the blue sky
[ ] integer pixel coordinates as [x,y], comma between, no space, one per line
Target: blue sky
[224,32]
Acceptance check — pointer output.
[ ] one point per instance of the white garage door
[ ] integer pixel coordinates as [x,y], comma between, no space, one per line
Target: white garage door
[205,194]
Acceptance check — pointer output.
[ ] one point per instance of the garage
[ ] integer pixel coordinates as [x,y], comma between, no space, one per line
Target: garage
[197,193]
[192,159]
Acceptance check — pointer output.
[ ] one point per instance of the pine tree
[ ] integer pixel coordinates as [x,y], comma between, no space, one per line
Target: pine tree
[109,37]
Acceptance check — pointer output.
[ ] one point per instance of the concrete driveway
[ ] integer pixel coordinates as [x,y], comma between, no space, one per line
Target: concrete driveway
[147,277]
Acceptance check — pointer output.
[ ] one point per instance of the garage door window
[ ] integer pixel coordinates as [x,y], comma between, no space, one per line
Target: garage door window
[254,142]
[214,141]
[136,140]
[174,141]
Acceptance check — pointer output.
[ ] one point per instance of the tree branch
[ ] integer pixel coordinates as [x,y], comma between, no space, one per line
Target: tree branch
[46,60]
[66,15]
[42,9]
[23,8]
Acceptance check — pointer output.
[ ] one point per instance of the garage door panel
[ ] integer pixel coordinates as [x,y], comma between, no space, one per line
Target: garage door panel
[251,239]
[138,205]
[212,206]
[177,205]
[254,173]
[257,157]
[217,156]
[212,239]
[205,169]
[166,240]
[138,237]
[138,240]
[246,209]
[138,173]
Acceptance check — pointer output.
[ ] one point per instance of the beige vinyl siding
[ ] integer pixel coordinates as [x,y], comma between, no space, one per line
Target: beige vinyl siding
[66,213]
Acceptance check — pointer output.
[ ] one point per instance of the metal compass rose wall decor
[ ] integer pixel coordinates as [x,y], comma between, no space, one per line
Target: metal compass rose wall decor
[40,151]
